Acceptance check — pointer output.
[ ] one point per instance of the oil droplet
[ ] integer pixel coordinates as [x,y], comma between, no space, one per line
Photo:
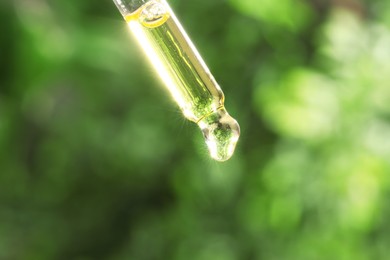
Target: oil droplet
[221,132]
[153,14]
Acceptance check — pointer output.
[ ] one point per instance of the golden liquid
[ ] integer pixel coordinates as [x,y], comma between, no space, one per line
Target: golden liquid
[185,74]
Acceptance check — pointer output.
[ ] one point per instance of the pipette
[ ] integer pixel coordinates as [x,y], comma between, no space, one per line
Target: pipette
[183,71]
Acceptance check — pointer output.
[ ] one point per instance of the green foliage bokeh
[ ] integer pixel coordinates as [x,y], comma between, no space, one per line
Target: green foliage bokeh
[97,162]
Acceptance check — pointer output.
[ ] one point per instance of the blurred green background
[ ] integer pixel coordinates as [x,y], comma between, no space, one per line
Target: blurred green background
[97,162]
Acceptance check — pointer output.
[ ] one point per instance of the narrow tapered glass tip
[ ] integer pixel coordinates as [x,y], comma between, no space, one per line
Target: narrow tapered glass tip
[221,133]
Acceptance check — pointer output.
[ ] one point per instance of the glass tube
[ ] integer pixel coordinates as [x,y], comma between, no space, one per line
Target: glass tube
[183,72]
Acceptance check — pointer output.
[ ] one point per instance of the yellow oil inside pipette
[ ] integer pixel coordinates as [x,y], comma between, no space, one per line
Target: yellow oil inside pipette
[185,74]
